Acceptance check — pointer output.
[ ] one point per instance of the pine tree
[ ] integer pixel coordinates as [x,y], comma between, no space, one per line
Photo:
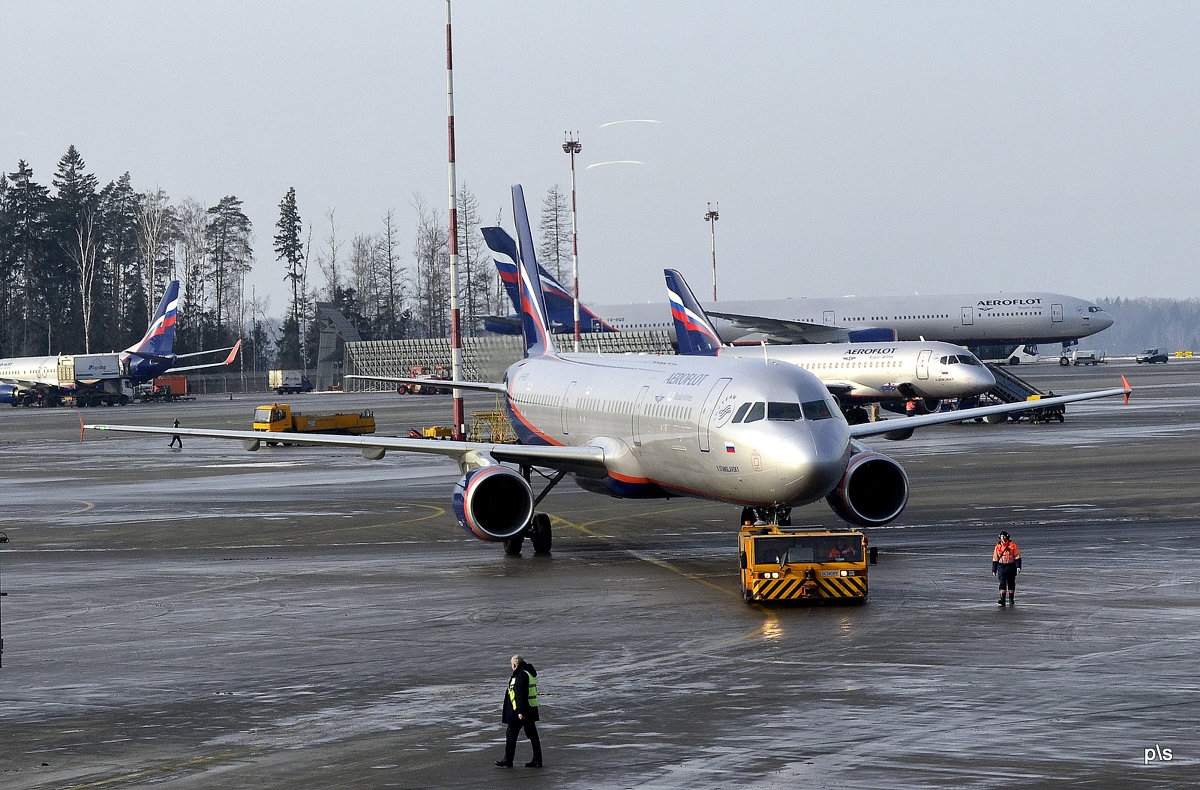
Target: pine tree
[289,249]
[229,257]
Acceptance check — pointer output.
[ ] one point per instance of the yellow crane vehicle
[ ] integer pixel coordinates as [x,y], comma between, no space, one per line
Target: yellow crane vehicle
[279,418]
[794,566]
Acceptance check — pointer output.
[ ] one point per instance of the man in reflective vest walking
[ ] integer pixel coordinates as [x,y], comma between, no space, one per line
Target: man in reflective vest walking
[521,712]
[1006,564]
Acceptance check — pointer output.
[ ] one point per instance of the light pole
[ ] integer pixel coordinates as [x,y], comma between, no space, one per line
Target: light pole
[711,217]
[572,147]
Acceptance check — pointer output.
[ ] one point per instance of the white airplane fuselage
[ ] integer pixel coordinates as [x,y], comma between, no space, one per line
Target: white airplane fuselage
[963,319]
[882,371]
[665,424]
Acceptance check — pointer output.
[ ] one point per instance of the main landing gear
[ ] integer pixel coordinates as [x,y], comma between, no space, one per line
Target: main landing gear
[538,529]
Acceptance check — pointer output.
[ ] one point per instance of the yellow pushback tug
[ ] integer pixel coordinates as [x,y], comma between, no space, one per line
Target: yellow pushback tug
[794,566]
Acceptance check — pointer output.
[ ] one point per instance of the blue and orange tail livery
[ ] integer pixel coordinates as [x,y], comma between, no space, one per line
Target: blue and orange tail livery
[533,305]
[694,331]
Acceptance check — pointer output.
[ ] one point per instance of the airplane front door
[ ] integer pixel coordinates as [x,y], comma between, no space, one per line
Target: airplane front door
[923,364]
[637,416]
[968,316]
[704,427]
[1056,314]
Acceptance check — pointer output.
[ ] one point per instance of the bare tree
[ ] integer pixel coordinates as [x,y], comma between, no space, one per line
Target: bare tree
[153,236]
[431,254]
[554,248]
[328,258]
[392,286]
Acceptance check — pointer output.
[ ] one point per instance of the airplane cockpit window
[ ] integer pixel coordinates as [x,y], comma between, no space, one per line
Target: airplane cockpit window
[783,412]
[1094,309]
[816,410]
[756,413]
[967,359]
[741,412]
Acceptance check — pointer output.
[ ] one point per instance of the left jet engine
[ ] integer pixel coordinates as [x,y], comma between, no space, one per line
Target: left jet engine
[872,492]
[493,503]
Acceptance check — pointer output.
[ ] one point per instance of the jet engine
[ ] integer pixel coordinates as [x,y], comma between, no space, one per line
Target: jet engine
[921,405]
[493,503]
[872,492]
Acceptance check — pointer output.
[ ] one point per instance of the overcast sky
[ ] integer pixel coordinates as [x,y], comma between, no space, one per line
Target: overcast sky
[854,148]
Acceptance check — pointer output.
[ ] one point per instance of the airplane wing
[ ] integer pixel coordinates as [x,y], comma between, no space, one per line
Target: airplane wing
[908,423]
[233,352]
[586,459]
[474,386]
[784,331]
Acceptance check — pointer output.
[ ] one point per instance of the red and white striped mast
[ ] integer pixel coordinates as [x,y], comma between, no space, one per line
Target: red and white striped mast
[460,420]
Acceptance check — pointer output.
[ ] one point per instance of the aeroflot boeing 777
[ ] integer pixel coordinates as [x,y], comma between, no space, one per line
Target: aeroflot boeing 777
[755,433]
[971,320]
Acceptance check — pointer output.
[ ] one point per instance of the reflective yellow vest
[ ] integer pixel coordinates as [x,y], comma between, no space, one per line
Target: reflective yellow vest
[512,691]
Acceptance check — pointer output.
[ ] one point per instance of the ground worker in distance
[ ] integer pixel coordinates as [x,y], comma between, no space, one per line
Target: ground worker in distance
[521,712]
[175,440]
[1006,564]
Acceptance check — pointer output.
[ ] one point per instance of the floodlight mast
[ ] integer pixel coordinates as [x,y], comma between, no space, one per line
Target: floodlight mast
[572,147]
[711,217]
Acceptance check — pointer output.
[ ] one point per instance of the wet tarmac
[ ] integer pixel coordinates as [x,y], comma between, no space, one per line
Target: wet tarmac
[298,617]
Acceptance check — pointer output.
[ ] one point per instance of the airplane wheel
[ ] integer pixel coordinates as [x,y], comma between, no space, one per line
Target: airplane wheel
[539,533]
[512,546]
[785,517]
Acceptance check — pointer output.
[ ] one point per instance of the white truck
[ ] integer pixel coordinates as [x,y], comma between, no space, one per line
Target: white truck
[1082,357]
[288,381]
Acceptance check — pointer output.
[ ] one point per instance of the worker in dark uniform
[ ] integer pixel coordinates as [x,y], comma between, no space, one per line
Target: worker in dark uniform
[1006,564]
[521,712]
[175,440]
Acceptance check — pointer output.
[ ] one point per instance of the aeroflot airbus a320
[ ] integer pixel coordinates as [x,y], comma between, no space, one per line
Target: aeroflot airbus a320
[655,426]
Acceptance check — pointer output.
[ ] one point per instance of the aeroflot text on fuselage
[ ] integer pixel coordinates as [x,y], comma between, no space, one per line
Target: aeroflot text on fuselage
[891,350]
[686,379]
[1007,302]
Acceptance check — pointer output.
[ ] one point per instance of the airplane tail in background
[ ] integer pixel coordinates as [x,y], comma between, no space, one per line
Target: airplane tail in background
[159,340]
[560,304]
[532,306]
[694,330]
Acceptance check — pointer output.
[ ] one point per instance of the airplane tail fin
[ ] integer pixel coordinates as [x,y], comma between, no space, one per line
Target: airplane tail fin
[532,305]
[507,259]
[560,303]
[694,331]
[159,340]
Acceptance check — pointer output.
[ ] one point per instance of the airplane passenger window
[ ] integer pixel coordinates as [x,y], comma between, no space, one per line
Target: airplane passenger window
[816,410]
[783,412]
[741,412]
[757,412]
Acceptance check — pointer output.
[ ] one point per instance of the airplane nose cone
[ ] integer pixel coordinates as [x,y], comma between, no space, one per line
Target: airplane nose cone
[982,380]
[1103,320]
[812,463]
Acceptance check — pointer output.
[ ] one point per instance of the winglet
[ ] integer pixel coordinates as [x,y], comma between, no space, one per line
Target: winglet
[533,305]
[694,331]
[233,354]
[1128,389]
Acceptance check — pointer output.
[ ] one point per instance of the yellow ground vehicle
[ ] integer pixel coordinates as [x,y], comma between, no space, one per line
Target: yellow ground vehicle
[279,418]
[780,564]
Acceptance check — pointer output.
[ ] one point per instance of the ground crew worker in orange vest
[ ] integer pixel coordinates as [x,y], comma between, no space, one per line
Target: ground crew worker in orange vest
[1006,564]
